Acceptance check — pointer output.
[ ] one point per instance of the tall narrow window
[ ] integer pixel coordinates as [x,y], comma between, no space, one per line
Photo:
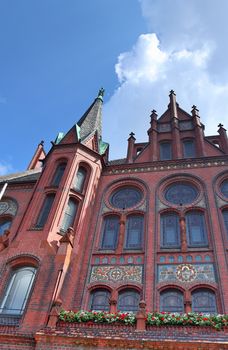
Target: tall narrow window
[80,179]
[45,210]
[69,215]
[203,300]
[172,301]
[100,300]
[225,217]
[128,300]
[134,232]
[196,229]
[4,225]
[170,231]
[110,232]
[18,290]
[165,151]
[189,148]
[58,174]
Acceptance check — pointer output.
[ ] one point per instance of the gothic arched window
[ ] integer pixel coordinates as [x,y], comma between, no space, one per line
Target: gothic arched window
[170,231]
[80,179]
[128,300]
[203,300]
[17,292]
[189,148]
[5,224]
[172,300]
[196,229]
[134,232]
[69,215]
[110,232]
[224,188]
[45,210]
[225,218]
[58,174]
[100,300]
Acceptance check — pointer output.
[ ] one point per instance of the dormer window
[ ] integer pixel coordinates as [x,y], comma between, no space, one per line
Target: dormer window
[189,148]
[165,151]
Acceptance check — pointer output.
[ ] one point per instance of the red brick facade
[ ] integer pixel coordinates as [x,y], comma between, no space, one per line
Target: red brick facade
[154,225]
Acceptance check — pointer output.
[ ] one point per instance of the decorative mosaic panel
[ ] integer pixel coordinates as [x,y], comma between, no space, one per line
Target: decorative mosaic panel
[127,273]
[186,273]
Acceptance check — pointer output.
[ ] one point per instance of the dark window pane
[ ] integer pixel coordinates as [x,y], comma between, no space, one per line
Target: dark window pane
[170,232]
[224,188]
[134,232]
[69,215]
[45,210]
[172,301]
[225,217]
[196,230]
[204,301]
[110,232]
[4,225]
[165,151]
[189,148]
[128,300]
[181,193]
[126,197]
[18,290]
[58,174]
[100,300]
[80,179]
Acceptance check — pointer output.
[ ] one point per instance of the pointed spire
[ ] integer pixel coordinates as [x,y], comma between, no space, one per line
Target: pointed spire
[39,155]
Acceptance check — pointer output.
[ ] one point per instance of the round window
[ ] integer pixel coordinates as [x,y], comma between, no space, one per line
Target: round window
[224,188]
[181,193]
[126,197]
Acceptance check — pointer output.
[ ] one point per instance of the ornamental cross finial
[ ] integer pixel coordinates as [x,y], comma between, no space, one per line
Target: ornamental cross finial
[132,134]
[220,125]
[101,92]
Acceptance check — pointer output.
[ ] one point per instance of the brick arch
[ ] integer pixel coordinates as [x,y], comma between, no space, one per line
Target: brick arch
[136,287]
[209,286]
[174,285]
[23,260]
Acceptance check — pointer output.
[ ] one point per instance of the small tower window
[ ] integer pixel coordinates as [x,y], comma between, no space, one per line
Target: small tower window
[189,148]
[58,174]
[45,210]
[69,215]
[165,151]
[80,179]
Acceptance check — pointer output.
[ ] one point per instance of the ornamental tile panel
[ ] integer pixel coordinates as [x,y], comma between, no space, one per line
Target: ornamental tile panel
[186,273]
[128,273]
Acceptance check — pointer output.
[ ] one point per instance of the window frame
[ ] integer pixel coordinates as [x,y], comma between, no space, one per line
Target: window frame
[64,223]
[163,244]
[162,297]
[107,298]
[185,151]
[116,238]
[138,246]
[212,296]
[162,156]
[125,291]
[203,227]
[82,187]
[58,174]
[42,214]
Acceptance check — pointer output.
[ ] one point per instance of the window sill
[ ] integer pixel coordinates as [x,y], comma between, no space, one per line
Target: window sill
[9,320]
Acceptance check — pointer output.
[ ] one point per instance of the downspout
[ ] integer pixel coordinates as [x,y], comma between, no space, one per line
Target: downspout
[3,190]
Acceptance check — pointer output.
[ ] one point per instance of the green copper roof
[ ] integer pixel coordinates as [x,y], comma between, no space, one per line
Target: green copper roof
[59,137]
[102,146]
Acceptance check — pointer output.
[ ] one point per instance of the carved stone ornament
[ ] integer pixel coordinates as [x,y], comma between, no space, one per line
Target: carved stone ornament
[8,207]
[186,273]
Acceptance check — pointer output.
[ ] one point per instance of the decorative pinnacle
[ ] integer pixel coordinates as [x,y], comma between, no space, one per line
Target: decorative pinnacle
[195,110]
[172,92]
[220,125]
[41,143]
[153,114]
[132,134]
[101,93]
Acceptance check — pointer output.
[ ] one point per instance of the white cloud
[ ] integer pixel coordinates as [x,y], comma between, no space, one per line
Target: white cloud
[5,168]
[181,60]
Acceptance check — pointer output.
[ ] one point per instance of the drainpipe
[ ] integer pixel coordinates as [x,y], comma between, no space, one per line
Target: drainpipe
[3,190]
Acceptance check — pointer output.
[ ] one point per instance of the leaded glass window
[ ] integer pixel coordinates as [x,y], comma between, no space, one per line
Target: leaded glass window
[189,148]
[128,300]
[181,193]
[196,229]
[4,225]
[134,232]
[203,300]
[45,210]
[80,179]
[170,231]
[126,197]
[165,151]
[225,217]
[17,292]
[110,232]
[224,188]
[171,301]
[100,300]
[69,215]
[58,174]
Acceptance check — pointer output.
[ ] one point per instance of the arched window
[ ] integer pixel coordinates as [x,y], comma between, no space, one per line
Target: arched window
[100,300]
[189,148]
[110,232]
[172,301]
[58,174]
[45,210]
[224,188]
[196,229]
[170,231]
[69,215]
[225,217]
[80,179]
[5,225]
[18,290]
[128,300]
[134,232]
[203,300]
[165,151]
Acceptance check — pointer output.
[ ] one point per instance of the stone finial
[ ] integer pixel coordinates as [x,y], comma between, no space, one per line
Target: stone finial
[101,93]
[141,316]
[172,92]
[195,111]
[41,143]
[153,115]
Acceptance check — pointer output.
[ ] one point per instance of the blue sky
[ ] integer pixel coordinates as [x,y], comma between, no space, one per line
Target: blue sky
[56,54]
